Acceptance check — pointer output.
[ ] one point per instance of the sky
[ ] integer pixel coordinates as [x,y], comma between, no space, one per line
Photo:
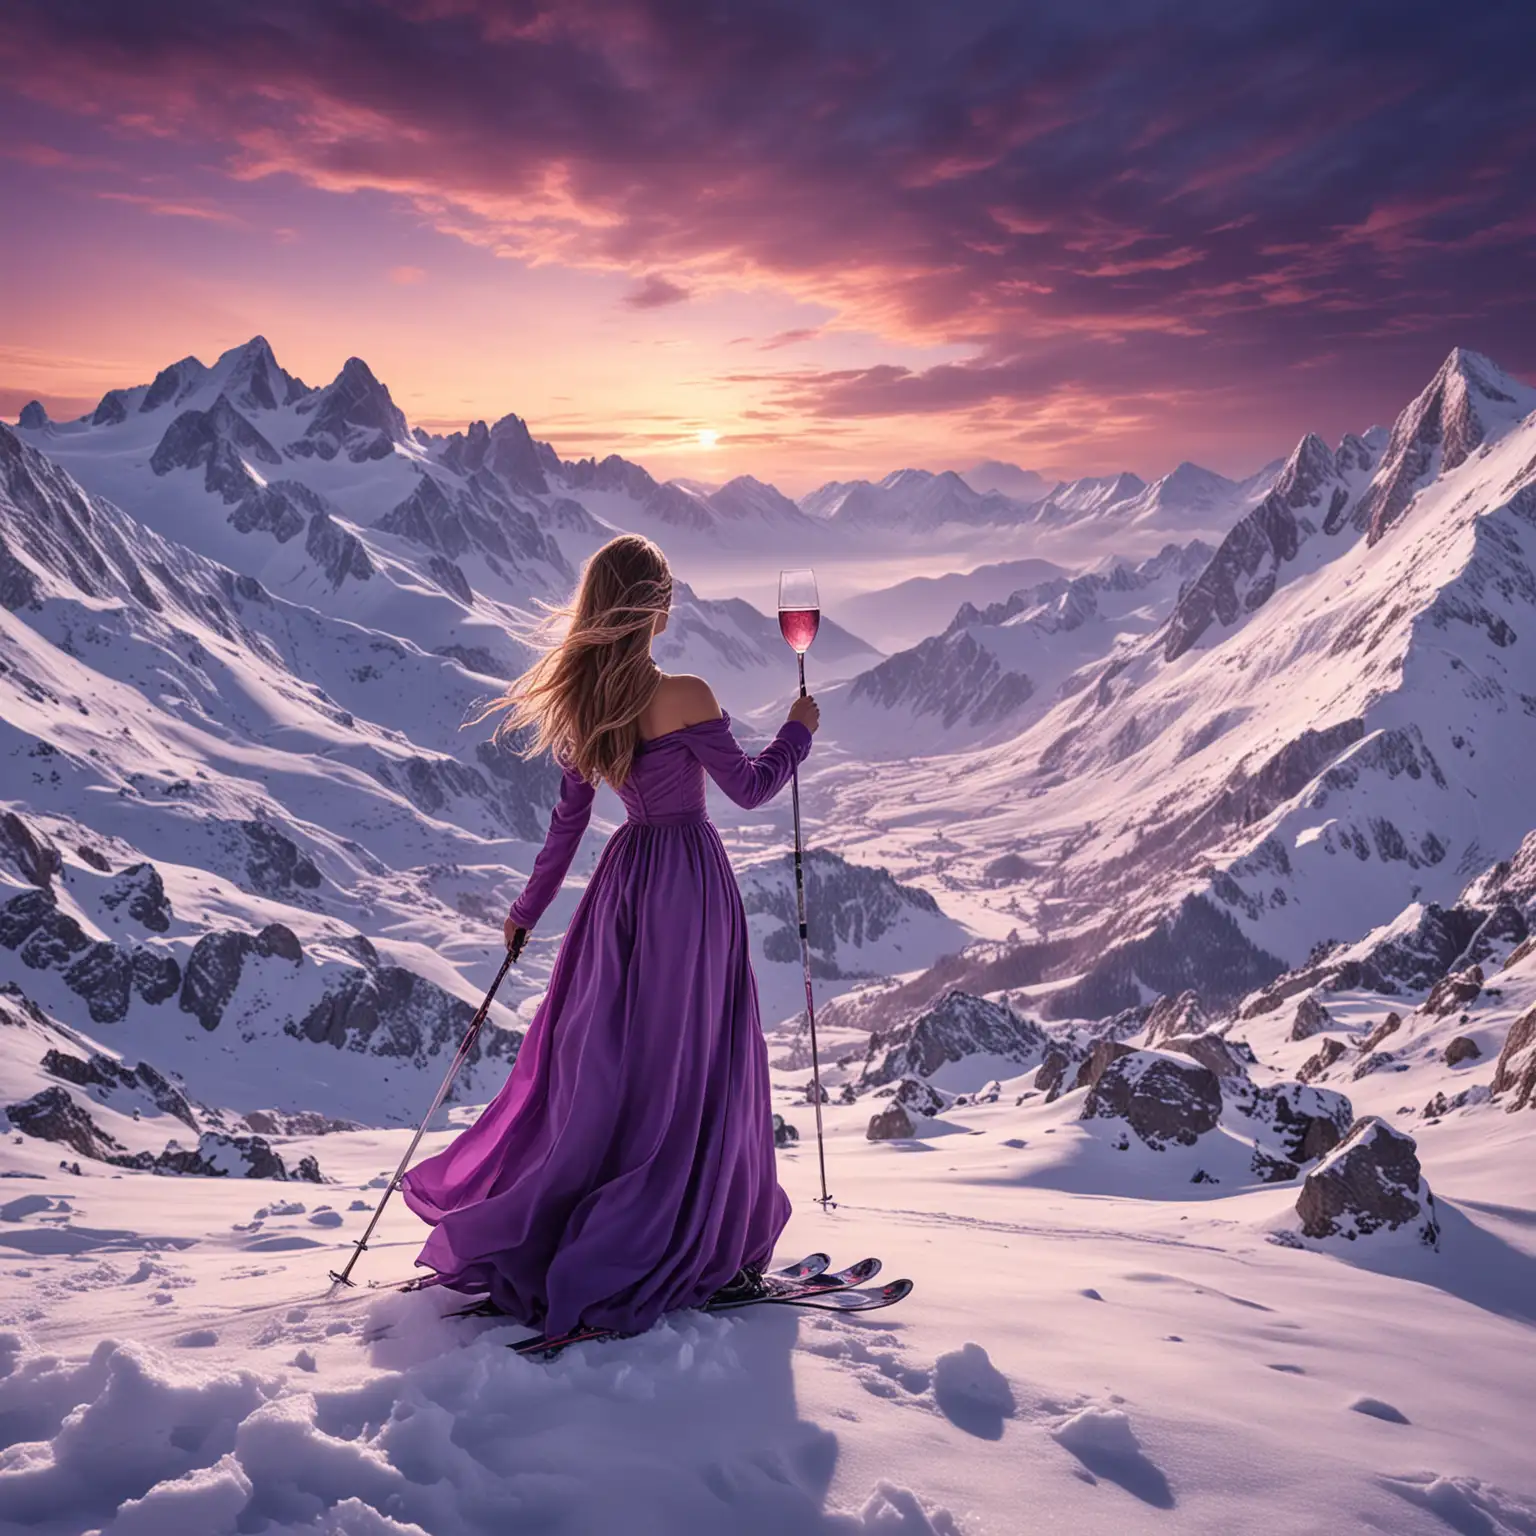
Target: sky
[801,240]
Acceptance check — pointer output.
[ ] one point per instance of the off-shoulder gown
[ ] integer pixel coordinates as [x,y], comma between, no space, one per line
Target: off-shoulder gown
[626,1168]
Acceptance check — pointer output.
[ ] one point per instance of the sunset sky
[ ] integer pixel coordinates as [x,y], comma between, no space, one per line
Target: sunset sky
[845,237]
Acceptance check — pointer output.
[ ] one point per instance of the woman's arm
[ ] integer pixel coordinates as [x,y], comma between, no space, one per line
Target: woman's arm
[749,781]
[567,823]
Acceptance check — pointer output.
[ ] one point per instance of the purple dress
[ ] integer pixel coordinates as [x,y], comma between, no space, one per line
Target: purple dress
[626,1168]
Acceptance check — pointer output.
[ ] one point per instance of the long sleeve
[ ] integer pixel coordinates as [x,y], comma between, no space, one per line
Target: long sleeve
[749,781]
[566,824]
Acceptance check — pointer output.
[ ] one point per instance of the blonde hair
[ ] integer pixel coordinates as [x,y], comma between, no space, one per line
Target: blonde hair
[583,698]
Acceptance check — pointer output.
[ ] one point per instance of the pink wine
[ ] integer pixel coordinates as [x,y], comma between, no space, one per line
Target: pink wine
[799,626]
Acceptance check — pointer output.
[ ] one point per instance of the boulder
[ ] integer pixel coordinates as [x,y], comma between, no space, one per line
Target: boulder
[958,1025]
[213,974]
[784,1134]
[1462,1048]
[279,939]
[141,890]
[814,1091]
[1388,1026]
[28,850]
[275,864]
[1515,1072]
[893,1124]
[1171,1016]
[1098,1059]
[1165,1099]
[1212,1052]
[55,1115]
[95,858]
[1053,1071]
[1298,1123]
[1311,1019]
[1321,1059]
[242,1157]
[1371,1182]
[1455,992]
[919,1098]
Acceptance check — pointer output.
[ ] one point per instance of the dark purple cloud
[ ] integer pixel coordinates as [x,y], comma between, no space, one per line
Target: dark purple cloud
[1235,211]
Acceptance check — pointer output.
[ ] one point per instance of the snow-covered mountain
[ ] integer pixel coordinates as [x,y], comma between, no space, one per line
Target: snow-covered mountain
[1007,480]
[326,496]
[994,669]
[900,615]
[1333,721]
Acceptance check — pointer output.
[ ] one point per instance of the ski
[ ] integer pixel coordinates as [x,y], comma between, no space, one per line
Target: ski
[782,1288]
[848,1299]
[808,1269]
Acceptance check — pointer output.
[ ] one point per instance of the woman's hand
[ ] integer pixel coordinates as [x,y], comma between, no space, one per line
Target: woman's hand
[807,711]
[516,937]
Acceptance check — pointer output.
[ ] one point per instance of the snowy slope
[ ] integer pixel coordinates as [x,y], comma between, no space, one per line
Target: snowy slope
[994,669]
[1328,726]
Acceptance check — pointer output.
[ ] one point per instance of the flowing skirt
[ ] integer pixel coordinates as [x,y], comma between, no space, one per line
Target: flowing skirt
[626,1168]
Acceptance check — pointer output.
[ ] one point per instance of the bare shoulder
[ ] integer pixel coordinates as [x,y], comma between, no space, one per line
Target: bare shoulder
[680,700]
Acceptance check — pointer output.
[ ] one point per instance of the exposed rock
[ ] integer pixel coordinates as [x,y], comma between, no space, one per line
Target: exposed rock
[48,938]
[155,976]
[1053,1071]
[893,1124]
[1455,992]
[103,976]
[33,416]
[219,441]
[353,413]
[142,890]
[1321,1059]
[282,508]
[784,1134]
[814,1091]
[387,1010]
[275,863]
[28,850]
[1181,1015]
[1311,1019]
[1213,1052]
[95,858]
[1462,1048]
[112,411]
[338,553]
[918,1098]
[279,939]
[213,974]
[303,1122]
[1371,1182]
[1388,1026]
[1515,1072]
[100,1071]
[1098,1060]
[1164,1099]
[957,1026]
[54,1115]
[242,1157]
[1300,1123]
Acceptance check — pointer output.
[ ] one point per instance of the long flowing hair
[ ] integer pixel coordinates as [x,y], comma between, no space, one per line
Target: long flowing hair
[582,699]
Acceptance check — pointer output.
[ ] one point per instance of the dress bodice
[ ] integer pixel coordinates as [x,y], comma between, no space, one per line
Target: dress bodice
[666,781]
[665,788]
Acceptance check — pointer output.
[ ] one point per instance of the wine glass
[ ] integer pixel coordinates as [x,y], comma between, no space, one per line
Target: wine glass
[799,610]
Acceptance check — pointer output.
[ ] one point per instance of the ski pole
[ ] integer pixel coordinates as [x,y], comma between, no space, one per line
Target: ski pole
[824,1199]
[342,1277]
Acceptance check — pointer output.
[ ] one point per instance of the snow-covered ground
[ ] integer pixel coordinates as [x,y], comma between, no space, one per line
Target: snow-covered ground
[251,873]
[1070,1357]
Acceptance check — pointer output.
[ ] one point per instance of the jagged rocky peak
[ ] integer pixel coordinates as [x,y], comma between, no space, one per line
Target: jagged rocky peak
[465,451]
[173,384]
[746,496]
[1469,400]
[352,414]
[515,457]
[250,376]
[112,409]
[960,1024]
[33,417]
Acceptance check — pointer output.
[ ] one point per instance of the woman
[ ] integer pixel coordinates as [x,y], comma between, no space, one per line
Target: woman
[626,1168]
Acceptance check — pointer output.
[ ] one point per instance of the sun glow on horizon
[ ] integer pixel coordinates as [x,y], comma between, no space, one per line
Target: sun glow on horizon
[708,437]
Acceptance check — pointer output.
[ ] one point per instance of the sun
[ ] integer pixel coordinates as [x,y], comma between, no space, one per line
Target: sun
[708,437]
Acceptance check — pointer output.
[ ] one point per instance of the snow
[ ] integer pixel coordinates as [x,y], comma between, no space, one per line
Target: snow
[1112,1337]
